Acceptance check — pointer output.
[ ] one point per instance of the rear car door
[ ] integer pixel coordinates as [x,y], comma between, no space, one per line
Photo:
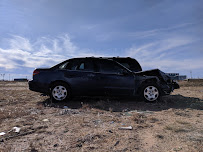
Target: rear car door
[116,80]
[81,76]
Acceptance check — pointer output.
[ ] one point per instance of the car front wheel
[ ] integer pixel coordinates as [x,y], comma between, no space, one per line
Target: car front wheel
[151,93]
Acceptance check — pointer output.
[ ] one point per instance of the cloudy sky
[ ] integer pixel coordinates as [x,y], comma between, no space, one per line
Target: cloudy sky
[164,34]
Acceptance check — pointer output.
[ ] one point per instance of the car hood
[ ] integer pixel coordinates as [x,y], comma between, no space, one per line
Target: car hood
[154,72]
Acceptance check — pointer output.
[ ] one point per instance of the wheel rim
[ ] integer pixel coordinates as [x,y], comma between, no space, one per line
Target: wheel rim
[151,93]
[59,93]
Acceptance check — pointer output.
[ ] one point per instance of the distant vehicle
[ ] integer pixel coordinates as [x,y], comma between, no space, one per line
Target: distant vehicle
[92,76]
[21,79]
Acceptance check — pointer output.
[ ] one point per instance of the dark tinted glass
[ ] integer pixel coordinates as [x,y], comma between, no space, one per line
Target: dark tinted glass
[73,64]
[86,66]
[131,64]
[63,66]
[110,67]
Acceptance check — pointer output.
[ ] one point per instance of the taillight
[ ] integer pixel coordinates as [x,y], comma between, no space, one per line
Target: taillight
[35,72]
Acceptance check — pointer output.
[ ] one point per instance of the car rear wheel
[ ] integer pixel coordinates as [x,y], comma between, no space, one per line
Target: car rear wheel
[151,93]
[60,92]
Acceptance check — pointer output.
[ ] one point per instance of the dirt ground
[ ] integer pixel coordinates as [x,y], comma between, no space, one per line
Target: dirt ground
[175,124]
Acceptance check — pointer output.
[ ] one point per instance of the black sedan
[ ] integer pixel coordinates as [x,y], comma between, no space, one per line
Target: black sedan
[92,76]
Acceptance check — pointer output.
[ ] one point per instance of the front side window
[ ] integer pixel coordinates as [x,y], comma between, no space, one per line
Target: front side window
[131,64]
[109,67]
[126,65]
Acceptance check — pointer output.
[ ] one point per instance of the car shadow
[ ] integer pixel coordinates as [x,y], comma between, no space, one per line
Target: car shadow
[128,104]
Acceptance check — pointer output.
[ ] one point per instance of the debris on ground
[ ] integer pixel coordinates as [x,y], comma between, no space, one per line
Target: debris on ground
[16,129]
[68,111]
[45,120]
[126,128]
[2,133]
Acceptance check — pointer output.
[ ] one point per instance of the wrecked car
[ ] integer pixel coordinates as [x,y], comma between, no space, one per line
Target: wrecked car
[91,76]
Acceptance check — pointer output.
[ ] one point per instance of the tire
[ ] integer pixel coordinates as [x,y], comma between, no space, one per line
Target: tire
[150,92]
[60,92]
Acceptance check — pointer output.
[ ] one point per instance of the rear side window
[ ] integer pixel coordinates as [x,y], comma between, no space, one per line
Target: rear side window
[72,65]
[80,65]
[63,66]
[109,67]
[86,66]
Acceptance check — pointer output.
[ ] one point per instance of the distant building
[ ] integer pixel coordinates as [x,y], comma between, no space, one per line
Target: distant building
[21,79]
[176,76]
[182,77]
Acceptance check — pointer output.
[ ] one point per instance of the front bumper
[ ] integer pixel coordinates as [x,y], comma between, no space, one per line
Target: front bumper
[175,85]
[168,88]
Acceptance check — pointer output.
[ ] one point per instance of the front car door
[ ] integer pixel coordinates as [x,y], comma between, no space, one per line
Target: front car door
[116,80]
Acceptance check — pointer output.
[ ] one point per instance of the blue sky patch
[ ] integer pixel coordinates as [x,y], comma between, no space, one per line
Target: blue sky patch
[164,34]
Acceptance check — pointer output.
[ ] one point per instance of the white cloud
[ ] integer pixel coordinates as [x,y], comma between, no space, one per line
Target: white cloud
[46,51]
[162,54]
[18,42]
[154,32]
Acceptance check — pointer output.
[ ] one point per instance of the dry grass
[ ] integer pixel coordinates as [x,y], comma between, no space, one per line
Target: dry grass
[92,124]
[183,127]
[138,118]
[12,113]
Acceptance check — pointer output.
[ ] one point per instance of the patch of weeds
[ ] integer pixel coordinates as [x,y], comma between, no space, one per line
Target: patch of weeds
[6,149]
[66,130]
[88,139]
[196,138]
[153,120]
[183,122]
[111,109]
[32,148]
[177,149]
[85,106]
[179,128]
[182,114]
[139,118]
[100,104]
[12,113]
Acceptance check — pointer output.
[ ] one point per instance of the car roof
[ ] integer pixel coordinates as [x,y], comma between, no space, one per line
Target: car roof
[103,58]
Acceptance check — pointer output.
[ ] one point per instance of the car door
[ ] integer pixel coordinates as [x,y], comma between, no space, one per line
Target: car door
[81,76]
[116,80]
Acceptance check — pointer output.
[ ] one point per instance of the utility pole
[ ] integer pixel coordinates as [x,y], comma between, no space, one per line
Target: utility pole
[3,76]
[191,74]
[9,77]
